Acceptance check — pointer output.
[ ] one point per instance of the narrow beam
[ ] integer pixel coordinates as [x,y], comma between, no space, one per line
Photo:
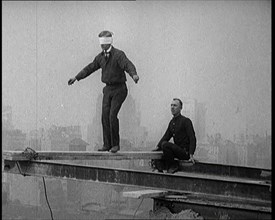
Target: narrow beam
[227,170]
[84,155]
[198,167]
[186,182]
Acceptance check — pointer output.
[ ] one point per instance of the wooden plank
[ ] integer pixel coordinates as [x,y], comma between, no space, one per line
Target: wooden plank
[83,155]
[149,193]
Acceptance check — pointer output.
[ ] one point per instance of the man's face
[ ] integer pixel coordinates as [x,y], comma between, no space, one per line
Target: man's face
[175,107]
[105,46]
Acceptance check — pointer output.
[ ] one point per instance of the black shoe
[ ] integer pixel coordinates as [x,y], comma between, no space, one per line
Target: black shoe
[104,149]
[158,164]
[159,171]
[173,169]
[115,149]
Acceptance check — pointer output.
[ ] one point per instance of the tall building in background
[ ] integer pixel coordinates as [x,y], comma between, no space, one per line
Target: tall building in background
[60,137]
[94,130]
[15,188]
[35,139]
[12,139]
[7,117]
[132,134]
[197,113]
[200,122]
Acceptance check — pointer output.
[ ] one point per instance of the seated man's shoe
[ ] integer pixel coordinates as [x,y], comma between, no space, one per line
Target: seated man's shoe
[160,170]
[104,149]
[173,169]
[158,164]
[115,149]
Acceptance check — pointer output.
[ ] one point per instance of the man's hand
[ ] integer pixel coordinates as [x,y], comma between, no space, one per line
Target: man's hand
[71,81]
[192,159]
[135,78]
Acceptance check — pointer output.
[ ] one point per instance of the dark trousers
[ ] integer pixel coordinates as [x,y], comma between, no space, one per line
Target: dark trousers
[113,97]
[172,151]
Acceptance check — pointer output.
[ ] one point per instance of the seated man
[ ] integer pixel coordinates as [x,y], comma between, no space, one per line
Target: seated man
[183,148]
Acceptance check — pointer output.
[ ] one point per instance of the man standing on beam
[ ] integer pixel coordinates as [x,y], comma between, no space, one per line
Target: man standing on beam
[114,64]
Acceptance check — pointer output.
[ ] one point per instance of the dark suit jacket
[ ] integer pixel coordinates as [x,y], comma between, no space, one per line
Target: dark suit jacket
[182,131]
[113,69]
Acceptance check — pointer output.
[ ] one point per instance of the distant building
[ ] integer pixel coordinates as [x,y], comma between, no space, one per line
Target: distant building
[197,113]
[94,130]
[130,125]
[60,137]
[189,108]
[132,134]
[13,140]
[200,122]
[34,139]
[263,150]
[77,144]
[7,117]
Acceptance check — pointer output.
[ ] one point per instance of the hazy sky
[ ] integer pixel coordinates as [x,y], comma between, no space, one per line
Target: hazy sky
[217,52]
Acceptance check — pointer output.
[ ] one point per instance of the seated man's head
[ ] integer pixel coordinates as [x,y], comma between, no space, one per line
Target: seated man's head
[176,106]
[105,39]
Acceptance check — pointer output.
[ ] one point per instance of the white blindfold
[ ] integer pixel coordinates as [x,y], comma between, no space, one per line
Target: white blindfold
[105,40]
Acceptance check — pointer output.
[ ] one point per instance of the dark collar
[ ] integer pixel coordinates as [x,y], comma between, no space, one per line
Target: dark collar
[176,117]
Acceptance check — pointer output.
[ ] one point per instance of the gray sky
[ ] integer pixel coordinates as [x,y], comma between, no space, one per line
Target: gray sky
[217,52]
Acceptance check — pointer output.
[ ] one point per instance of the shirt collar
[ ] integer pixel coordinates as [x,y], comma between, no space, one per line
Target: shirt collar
[109,49]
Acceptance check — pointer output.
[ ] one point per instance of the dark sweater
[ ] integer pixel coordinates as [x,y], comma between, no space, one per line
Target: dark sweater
[112,69]
[182,131]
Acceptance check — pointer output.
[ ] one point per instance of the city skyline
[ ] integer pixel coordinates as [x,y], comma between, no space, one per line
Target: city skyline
[213,55]
[216,59]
